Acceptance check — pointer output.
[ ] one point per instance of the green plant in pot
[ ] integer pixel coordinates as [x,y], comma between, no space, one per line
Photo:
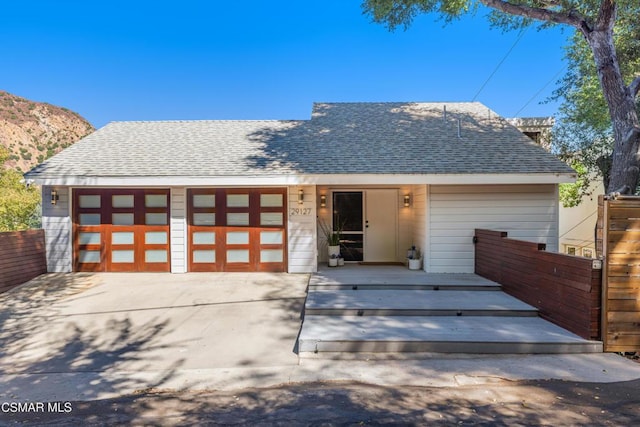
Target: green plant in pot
[414,258]
[332,236]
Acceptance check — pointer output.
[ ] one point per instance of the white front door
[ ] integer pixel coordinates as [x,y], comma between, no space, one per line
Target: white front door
[380,228]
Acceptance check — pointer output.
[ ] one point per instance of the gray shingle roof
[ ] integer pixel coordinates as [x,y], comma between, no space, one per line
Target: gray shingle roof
[340,138]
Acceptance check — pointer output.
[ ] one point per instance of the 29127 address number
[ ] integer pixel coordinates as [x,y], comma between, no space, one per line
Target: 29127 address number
[299,211]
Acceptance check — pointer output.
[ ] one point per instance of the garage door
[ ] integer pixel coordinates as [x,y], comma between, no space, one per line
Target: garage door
[121,230]
[237,229]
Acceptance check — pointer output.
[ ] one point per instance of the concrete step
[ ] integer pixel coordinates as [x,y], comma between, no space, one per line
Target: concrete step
[405,286]
[414,303]
[396,278]
[418,334]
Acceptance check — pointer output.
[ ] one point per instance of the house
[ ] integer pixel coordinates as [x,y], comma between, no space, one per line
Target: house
[186,196]
[576,225]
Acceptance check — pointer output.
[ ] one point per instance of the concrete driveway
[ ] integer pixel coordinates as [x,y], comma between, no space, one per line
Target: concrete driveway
[102,333]
[79,337]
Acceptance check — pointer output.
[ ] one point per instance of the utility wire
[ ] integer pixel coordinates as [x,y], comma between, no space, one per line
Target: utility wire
[578,224]
[524,30]
[539,92]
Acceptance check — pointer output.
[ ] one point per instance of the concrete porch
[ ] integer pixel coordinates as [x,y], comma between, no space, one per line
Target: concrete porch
[390,309]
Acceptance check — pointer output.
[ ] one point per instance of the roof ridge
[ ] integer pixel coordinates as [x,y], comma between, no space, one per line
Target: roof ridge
[209,121]
[398,102]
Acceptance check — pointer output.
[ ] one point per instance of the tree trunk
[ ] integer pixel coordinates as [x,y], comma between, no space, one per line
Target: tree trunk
[625,169]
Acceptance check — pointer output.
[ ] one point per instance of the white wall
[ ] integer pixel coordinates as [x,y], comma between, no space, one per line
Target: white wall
[178,230]
[526,212]
[56,222]
[577,224]
[302,230]
[419,223]
[405,223]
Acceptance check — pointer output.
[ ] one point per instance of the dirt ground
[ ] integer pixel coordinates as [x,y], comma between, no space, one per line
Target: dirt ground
[503,403]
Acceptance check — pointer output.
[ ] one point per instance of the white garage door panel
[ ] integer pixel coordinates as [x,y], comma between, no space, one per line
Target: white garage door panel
[527,212]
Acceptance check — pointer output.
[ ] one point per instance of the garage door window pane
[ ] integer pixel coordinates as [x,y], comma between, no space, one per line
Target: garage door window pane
[237,200]
[152,256]
[155,200]
[155,237]
[122,219]
[156,219]
[122,201]
[204,238]
[204,256]
[89,256]
[89,219]
[237,219]
[119,257]
[204,201]
[90,202]
[271,200]
[238,238]
[122,238]
[237,255]
[204,219]
[271,218]
[89,238]
[271,255]
[271,237]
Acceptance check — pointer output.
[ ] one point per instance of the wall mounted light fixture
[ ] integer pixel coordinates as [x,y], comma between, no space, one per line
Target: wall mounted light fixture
[407,200]
[300,196]
[323,200]
[54,197]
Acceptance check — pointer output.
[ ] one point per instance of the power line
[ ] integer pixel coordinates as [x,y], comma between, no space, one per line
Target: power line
[578,224]
[524,30]
[539,92]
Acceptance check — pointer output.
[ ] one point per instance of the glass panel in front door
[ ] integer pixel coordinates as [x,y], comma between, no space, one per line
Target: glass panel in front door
[348,212]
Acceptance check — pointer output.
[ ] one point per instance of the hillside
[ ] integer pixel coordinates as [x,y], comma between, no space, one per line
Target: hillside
[35,131]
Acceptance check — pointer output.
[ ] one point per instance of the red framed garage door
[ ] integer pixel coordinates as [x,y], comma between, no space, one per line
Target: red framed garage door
[237,229]
[121,230]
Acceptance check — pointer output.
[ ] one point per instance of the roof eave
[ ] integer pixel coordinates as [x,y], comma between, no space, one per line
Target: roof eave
[306,179]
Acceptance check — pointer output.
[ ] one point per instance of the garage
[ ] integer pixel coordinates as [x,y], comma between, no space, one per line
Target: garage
[237,229]
[121,230]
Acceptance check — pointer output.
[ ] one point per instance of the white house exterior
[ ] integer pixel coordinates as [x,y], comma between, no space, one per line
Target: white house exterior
[248,195]
[577,224]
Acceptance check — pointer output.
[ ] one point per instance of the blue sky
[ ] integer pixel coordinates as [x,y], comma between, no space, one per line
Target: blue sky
[155,60]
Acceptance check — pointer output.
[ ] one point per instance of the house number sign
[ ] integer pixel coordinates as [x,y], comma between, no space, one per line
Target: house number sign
[299,211]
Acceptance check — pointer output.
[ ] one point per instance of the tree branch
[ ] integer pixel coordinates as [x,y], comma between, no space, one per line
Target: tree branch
[634,87]
[632,135]
[571,18]
[606,15]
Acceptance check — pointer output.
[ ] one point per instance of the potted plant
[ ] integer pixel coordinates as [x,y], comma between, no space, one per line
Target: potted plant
[333,260]
[414,258]
[332,237]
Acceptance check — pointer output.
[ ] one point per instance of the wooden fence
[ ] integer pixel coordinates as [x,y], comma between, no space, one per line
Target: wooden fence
[565,289]
[22,257]
[618,241]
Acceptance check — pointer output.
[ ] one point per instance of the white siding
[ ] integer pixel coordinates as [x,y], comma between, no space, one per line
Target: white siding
[56,222]
[526,212]
[178,230]
[301,231]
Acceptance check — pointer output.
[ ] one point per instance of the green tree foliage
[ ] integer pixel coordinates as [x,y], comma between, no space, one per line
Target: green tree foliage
[594,22]
[571,194]
[584,128]
[19,206]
